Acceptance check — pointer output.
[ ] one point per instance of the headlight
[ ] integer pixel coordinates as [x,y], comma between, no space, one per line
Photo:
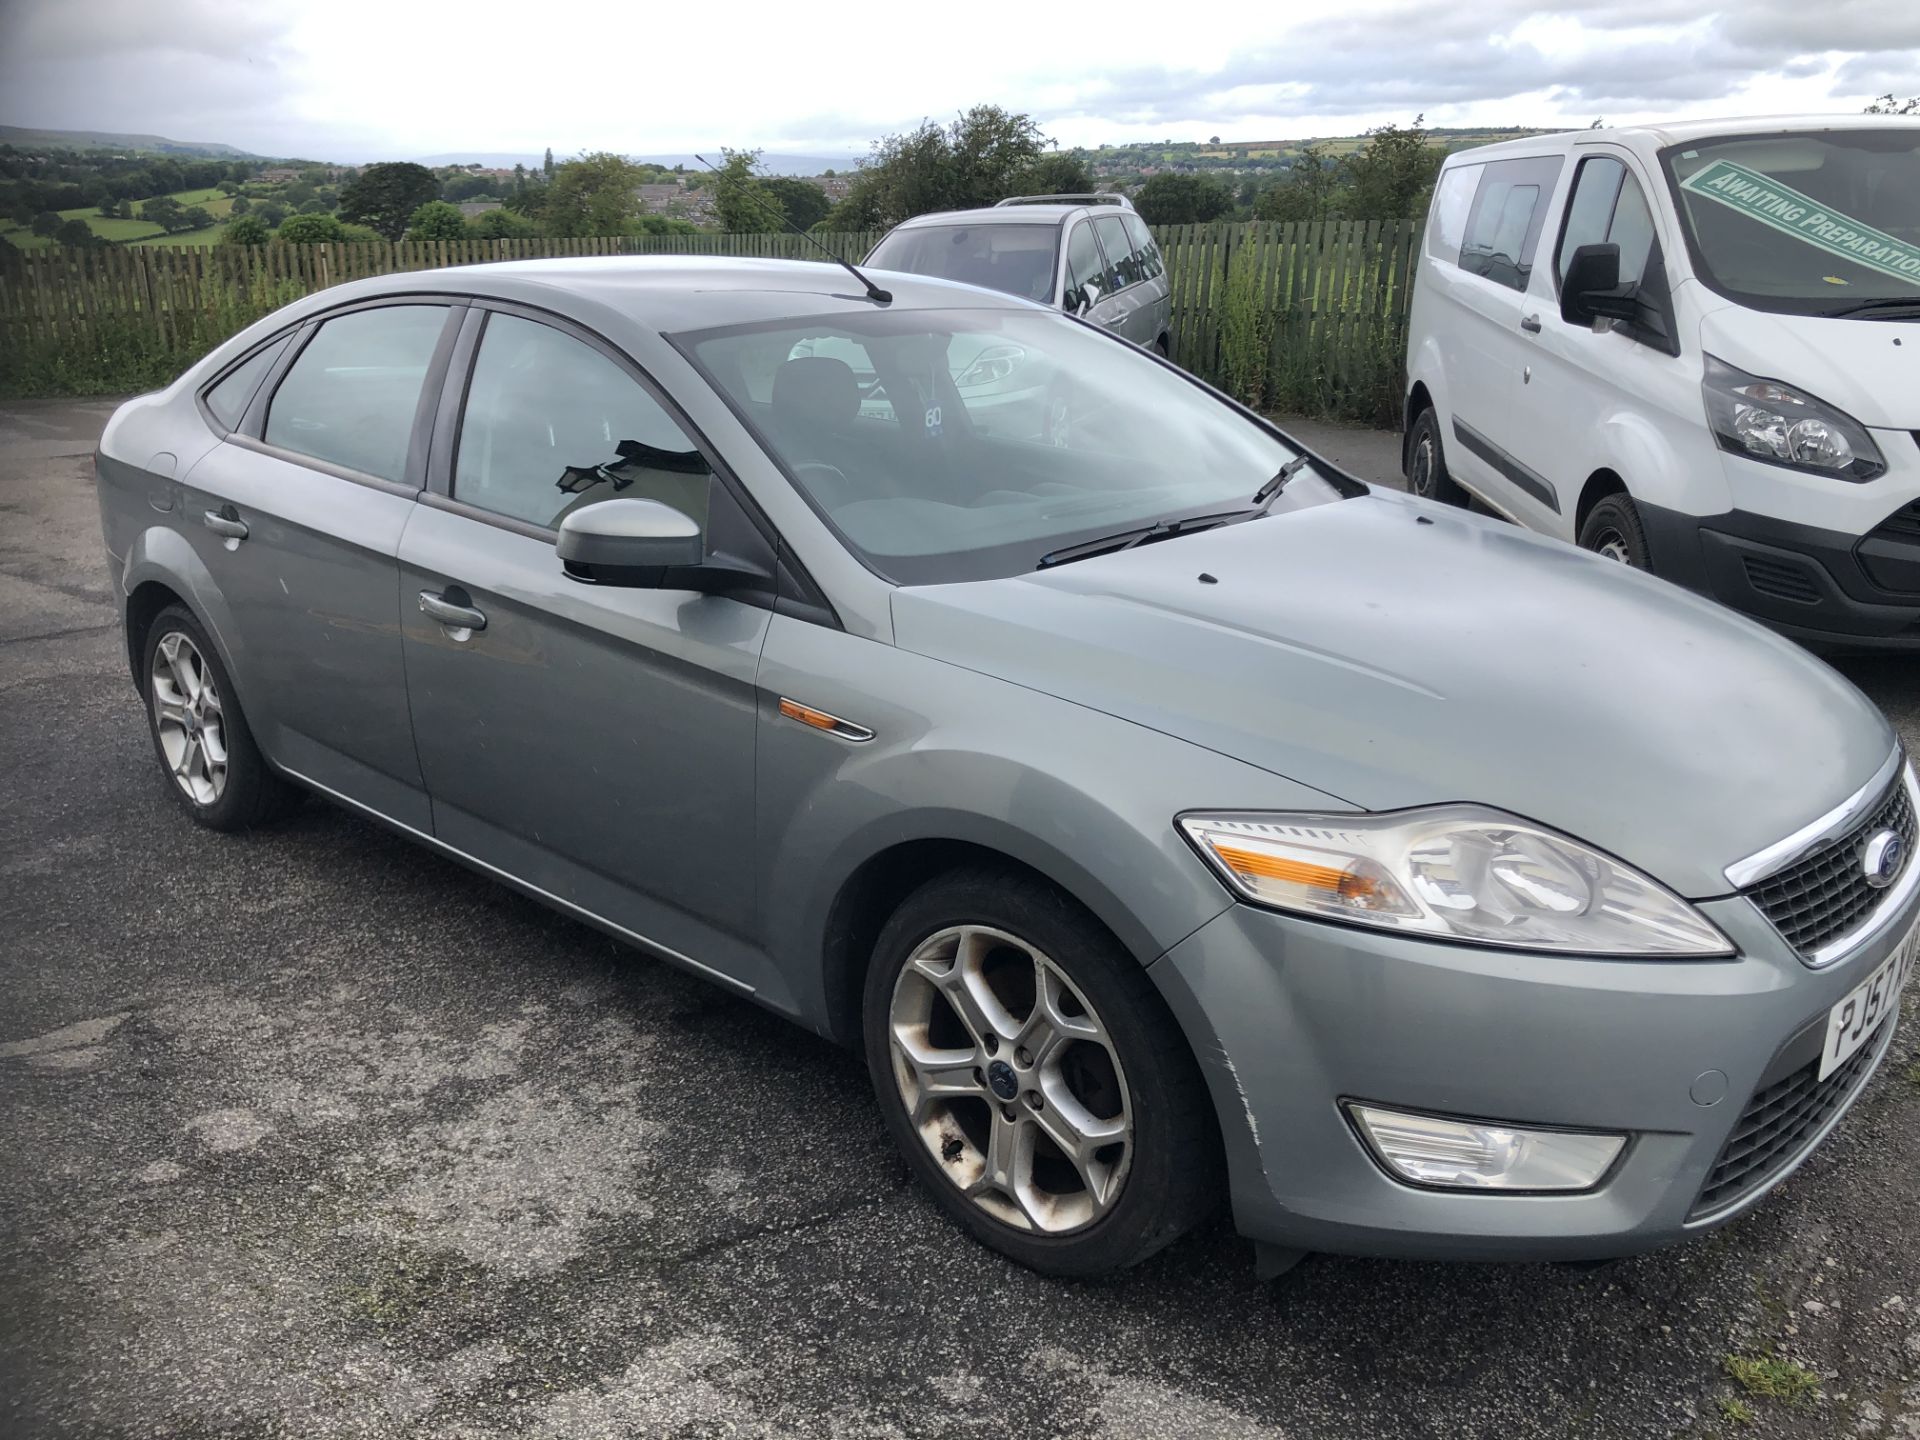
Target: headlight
[1456,872]
[994,363]
[1764,420]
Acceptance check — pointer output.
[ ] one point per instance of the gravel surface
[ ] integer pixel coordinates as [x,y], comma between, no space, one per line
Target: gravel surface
[311,1133]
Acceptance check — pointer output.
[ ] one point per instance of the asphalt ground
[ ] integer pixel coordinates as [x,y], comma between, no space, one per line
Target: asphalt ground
[312,1133]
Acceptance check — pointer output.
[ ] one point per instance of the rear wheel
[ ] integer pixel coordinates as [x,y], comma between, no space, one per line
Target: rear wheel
[1427,474]
[1612,528]
[1033,1078]
[200,736]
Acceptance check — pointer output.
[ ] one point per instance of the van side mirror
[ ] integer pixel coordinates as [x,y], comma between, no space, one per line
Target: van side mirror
[628,542]
[1592,294]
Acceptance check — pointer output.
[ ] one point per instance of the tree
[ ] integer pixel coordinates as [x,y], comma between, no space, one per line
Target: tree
[195,217]
[241,204]
[47,223]
[310,229]
[1887,105]
[592,194]
[76,234]
[804,202]
[1391,176]
[164,211]
[742,197]
[386,195]
[1309,192]
[272,212]
[1058,172]
[980,158]
[546,165]
[1170,199]
[504,224]
[245,230]
[437,220]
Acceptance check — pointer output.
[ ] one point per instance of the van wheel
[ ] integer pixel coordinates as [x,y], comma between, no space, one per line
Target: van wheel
[1033,1078]
[1427,474]
[1613,529]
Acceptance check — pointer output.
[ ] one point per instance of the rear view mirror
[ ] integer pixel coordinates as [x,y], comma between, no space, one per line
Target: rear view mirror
[1592,294]
[628,542]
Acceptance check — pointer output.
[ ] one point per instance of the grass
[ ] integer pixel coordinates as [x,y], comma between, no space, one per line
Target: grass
[136,231]
[1771,1378]
[1913,1073]
[1736,1410]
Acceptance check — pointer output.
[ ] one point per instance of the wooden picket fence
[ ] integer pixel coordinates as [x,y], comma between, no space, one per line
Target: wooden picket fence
[1334,297]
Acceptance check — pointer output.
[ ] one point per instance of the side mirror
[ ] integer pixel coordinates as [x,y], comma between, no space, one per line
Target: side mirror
[1591,294]
[1089,297]
[628,542]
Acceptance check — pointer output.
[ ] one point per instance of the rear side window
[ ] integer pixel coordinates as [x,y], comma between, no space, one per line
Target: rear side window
[1452,199]
[1145,251]
[551,425]
[1122,269]
[1084,266]
[1509,211]
[229,397]
[349,398]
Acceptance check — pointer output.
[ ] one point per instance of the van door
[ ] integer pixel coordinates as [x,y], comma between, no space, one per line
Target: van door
[1125,310]
[1494,317]
[1574,380]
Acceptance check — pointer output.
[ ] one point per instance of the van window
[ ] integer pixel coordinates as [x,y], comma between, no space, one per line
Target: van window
[1084,266]
[1452,198]
[1608,205]
[1145,251]
[1122,270]
[1509,210]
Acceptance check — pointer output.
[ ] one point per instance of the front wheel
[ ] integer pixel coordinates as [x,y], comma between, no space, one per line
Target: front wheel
[1034,1079]
[1612,528]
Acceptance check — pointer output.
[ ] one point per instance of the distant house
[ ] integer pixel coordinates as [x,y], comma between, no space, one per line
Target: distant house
[278,175]
[660,199]
[834,186]
[471,208]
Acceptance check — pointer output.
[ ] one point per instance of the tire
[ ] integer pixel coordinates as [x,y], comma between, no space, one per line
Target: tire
[1426,464]
[1162,346]
[1612,528]
[194,718]
[970,1104]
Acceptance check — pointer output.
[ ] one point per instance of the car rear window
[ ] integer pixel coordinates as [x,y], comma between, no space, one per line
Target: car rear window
[1015,259]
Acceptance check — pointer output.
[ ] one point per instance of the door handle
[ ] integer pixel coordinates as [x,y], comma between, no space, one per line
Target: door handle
[451,613]
[226,522]
[1530,324]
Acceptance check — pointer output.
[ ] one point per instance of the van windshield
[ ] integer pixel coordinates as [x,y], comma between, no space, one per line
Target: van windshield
[1813,223]
[1013,258]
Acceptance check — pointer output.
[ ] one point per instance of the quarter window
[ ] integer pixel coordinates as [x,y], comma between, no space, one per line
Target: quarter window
[351,395]
[1504,225]
[551,424]
[228,400]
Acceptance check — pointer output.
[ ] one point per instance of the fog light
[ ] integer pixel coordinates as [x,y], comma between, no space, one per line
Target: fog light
[1484,1155]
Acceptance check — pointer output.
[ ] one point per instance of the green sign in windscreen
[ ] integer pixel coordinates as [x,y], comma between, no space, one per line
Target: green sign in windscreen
[1806,219]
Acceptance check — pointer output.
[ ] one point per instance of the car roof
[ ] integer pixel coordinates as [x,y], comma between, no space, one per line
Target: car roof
[1680,132]
[669,293]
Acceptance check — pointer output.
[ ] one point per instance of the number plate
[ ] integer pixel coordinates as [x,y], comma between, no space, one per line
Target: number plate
[1853,1021]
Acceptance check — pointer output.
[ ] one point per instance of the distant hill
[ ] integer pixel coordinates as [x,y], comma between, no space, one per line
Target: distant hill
[26,139]
[772,161]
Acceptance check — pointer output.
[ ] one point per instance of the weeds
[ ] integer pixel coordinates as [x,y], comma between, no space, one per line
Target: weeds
[1772,1378]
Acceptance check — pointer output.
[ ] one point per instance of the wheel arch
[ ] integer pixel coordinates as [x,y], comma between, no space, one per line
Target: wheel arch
[163,569]
[1419,398]
[1601,483]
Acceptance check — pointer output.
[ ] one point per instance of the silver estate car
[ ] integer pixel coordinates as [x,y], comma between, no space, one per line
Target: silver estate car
[1090,255]
[1170,817]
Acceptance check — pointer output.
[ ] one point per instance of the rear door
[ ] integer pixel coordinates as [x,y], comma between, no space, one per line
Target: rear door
[297,518]
[1126,308]
[594,742]
[1494,318]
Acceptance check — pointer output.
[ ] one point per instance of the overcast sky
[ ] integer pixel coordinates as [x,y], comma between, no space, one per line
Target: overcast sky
[379,79]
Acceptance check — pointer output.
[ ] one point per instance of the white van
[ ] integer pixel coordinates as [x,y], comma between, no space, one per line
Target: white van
[1694,348]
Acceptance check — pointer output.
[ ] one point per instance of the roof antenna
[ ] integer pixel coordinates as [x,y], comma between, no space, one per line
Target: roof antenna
[874,292]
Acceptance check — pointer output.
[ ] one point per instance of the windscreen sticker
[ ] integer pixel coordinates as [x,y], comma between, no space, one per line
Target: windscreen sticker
[1791,213]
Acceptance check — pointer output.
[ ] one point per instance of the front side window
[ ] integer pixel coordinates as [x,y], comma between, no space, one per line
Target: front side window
[1013,257]
[1122,269]
[1608,206]
[1504,225]
[350,396]
[229,397]
[1084,265]
[1017,434]
[551,424]
[1812,223]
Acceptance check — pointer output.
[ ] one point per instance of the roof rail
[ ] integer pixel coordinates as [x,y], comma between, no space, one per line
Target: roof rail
[1102,197]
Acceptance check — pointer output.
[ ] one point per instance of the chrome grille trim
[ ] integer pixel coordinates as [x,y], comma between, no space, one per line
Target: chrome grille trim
[1829,827]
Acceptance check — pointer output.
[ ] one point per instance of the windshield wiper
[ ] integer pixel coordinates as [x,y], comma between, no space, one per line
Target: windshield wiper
[1143,535]
[1272,490]
[1890,302]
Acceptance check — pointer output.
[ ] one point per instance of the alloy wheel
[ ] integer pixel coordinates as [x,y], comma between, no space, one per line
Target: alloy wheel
[1010,1080]
[187,717]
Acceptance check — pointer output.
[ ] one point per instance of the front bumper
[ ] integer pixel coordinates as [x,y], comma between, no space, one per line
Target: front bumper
[1289,1017]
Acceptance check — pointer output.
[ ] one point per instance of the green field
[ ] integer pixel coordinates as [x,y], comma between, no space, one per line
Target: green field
[136,232]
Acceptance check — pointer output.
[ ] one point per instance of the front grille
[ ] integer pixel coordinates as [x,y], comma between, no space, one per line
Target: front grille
[1774,1129]
[1827,894]
[1782,579]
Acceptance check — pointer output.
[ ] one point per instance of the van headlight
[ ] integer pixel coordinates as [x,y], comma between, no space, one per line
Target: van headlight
[1453,872]
[1764,420]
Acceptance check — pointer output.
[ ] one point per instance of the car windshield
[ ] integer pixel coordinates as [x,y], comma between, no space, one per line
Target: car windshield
[1013,258]
[1816,223]
[967,444]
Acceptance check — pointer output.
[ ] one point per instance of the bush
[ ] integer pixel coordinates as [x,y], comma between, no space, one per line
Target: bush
[76,234]
[246,230]
[504,225]
[437,220]
[311,230]
[1246,327]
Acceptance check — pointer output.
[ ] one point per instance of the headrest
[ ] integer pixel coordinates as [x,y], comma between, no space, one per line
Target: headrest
[816,387]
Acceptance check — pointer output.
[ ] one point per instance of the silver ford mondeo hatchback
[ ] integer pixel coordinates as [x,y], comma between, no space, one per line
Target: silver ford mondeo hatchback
[1171,818]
